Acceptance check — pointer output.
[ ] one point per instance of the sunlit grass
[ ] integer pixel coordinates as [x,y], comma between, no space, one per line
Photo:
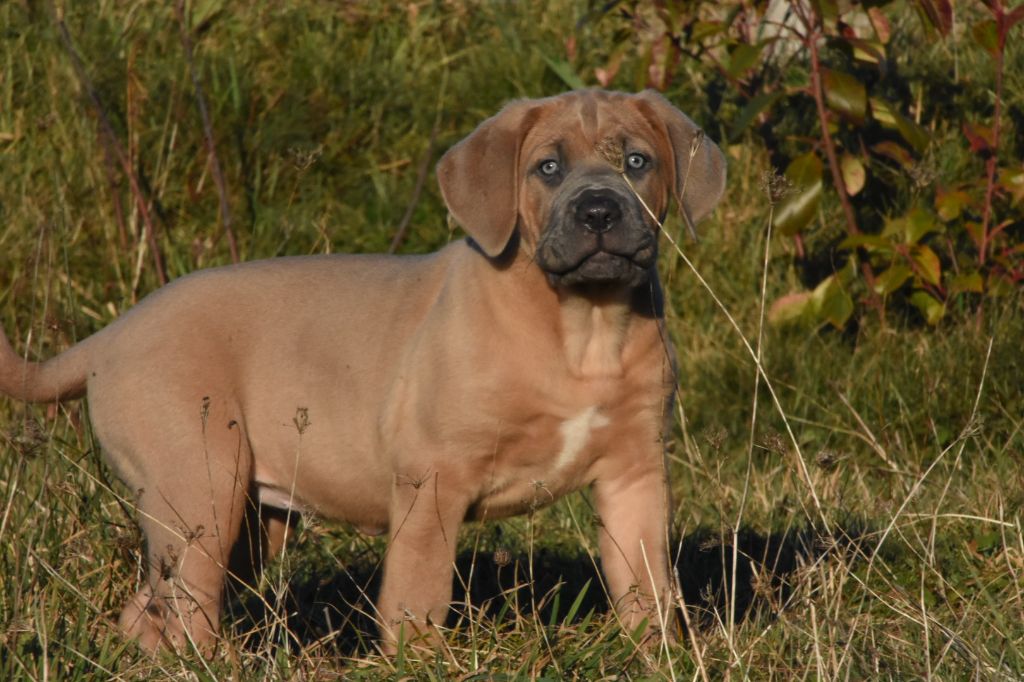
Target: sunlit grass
[897,554]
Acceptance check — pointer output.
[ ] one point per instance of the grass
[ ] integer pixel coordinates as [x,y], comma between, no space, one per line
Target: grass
[899,555]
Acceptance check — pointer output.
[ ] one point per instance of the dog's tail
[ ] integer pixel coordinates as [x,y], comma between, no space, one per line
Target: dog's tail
[58,378]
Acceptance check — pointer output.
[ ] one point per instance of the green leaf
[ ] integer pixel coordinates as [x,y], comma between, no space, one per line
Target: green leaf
[929,268]
[917,223]
[751,110]
[798,208]
[789,308]
[743,58]
[910,227]
[571,614]
[883,112]
[1012,180]
[999,285]
[832,303]
[556,602]
[950,205]
[845,95]
[893,227]
[853,172]
[968,281]
[706,29]
[916,136]
[828,10]
[932,309]
[892,279]
[869,242]
[869,51]
[974,231]
[564,70]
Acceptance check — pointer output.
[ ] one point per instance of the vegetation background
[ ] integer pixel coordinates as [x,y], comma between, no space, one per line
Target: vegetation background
[854,514]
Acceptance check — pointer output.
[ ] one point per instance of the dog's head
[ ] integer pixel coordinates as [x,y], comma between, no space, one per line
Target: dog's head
[582,176]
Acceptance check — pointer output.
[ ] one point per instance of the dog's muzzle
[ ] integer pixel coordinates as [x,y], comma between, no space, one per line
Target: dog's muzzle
[597,236]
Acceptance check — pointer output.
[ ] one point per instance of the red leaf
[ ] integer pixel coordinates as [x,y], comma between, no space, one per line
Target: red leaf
[895,152]
[789,308]
[939,13]
[883,29]
[1014,17]
[981,137]
[989,36]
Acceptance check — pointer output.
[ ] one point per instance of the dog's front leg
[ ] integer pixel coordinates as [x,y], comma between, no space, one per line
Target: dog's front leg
[633,511]
[426,511]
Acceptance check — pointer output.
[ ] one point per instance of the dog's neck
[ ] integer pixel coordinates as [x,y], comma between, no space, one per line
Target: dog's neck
[594,328]
[592,324]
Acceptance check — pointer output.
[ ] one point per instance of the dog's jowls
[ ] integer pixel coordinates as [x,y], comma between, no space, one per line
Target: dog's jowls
[408,394]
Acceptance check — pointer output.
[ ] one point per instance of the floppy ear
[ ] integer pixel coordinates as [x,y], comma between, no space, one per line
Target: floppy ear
[699,164]
[479,177]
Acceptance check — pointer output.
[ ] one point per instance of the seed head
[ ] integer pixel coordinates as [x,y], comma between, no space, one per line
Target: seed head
[502,557]
[610,150]
[775,185]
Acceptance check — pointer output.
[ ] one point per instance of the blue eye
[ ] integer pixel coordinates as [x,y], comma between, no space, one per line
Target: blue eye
[549,167]
[636,161]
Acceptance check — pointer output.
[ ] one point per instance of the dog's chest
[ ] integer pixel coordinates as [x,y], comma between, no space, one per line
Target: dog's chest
[542,459]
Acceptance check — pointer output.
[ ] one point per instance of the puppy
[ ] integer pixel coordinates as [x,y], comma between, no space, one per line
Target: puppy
[408,394]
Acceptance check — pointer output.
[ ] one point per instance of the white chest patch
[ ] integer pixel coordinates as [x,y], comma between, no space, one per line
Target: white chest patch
[575,432]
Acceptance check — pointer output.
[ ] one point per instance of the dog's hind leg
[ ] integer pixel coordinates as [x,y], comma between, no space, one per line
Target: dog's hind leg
[192,501]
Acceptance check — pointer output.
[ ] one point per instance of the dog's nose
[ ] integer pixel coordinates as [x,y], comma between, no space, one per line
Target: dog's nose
[598,212]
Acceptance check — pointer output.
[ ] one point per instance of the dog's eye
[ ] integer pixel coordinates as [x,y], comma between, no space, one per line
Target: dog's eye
[636,161]
[549,167]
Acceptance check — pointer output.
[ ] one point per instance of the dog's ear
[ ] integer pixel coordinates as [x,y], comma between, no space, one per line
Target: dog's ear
[699,167]
[479,177]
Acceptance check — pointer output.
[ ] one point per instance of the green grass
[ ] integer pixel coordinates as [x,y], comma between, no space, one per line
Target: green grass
[899,556]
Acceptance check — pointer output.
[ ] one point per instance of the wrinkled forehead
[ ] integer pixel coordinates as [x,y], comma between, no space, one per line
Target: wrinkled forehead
[577,123]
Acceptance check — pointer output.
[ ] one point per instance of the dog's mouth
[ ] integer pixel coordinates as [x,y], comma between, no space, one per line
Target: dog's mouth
[605,267]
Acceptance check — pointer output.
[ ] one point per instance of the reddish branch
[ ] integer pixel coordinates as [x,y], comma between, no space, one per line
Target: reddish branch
[211,147]
[991,164]
[421,176]
[115,149]
[813,34]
